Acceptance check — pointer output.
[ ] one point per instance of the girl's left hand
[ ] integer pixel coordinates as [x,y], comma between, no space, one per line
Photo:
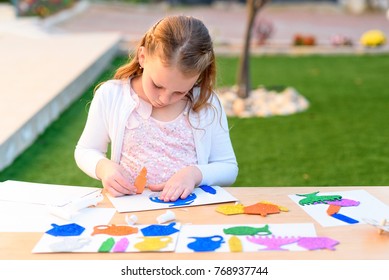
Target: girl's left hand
[180,185]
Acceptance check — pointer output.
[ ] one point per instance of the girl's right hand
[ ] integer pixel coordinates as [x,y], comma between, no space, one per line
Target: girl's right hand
[112,178]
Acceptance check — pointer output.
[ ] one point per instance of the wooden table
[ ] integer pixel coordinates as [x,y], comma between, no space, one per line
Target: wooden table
[358,241]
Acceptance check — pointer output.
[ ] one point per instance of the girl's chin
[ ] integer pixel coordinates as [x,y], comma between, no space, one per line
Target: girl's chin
[157,105]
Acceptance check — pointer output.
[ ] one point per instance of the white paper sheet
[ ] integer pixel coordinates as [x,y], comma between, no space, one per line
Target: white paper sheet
[44,194]
[137,242]
[25,206]
[179,241]
[27,217]
[189,232]
[369,207]
[147,200]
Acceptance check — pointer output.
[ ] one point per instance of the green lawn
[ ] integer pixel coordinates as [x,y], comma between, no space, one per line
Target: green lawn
[341,140]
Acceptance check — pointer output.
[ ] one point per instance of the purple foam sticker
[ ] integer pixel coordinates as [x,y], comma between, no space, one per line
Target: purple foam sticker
[272,242]
[121,245]
[317,243]
[344,202]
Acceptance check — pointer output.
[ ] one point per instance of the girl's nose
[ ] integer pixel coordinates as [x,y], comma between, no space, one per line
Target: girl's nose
[165,98]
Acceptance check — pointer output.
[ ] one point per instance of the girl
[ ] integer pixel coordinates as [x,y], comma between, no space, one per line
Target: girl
[160,112]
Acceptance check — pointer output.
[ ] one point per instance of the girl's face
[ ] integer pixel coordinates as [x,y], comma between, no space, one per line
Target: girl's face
[163,85]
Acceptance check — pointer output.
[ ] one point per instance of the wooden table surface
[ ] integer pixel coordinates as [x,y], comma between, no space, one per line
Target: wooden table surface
[359,241]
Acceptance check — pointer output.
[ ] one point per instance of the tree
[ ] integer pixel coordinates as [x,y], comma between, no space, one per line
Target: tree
[243,79]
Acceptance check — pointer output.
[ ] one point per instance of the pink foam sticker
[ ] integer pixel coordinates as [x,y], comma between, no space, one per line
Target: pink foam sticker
[344,202]
[317,243]
[272,242]
[121,245]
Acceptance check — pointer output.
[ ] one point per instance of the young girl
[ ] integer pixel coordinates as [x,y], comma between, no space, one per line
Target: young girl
[160,112]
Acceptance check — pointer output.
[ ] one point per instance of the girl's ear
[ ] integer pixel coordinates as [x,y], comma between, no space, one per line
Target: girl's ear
[141,56]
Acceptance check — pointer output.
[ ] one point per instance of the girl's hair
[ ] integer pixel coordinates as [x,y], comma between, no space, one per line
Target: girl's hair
[183,42]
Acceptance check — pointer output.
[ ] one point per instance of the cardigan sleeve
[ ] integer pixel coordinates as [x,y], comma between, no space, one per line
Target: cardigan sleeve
[93,143]
[216,158]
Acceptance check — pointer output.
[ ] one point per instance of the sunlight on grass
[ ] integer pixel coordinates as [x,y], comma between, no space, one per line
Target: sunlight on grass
[341,140]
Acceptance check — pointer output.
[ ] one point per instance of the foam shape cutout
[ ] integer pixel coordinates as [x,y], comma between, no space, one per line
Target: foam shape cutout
[141,180]
[282,208]
[235,244]
[317,243]
[344,218]
[344,202]
[230,209]
[333,209]
[208,189]
[206,244]
[69,244]
[272,242]
[262,209]
[107,245]
[159,230]
[155,243]
[313,198]
[121,245]
[114,230]
[247,230]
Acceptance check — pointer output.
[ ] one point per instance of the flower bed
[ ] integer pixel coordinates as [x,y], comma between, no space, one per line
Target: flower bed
[42,8]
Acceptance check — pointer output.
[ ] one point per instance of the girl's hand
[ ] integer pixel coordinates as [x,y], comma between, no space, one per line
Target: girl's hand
[180,185]
[114,182]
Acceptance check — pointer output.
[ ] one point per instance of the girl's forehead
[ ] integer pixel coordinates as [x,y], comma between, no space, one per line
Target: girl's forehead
[170,76]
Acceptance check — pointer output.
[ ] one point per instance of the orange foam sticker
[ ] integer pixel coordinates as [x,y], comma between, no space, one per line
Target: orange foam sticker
[262,209]
[140,181]
[114,230]
[333,209]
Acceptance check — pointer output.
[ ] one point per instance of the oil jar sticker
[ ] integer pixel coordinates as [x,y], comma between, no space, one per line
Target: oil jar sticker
[153,243]
[206,244]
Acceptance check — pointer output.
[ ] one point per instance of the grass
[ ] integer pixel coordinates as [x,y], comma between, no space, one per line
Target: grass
[341,140]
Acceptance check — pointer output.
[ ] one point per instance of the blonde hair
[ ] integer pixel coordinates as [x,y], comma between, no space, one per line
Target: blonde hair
[183,42]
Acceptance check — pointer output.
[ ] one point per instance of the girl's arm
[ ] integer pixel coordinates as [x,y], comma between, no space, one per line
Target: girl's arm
[93,143]
[217,163]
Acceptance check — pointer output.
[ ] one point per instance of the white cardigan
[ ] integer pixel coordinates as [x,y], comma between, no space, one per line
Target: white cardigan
[110,109]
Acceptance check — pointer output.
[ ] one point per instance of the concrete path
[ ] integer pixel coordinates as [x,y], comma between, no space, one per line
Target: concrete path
[41,75]
[226,22]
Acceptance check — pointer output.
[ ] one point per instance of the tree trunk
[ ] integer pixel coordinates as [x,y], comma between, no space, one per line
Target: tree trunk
[243,79]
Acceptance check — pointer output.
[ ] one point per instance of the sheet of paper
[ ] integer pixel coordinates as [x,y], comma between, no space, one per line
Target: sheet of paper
[28,217]
[44,194]
[148,200]
[214,236]
[369,208]
[139,238]
[178,238]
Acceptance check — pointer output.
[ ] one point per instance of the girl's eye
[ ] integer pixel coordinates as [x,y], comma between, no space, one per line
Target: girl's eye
[158,87]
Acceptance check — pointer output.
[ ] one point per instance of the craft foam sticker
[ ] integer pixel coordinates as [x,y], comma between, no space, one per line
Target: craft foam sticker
[242,238]
[262,208]
[149,200]
[109,239]
[355,206]
[272,242]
